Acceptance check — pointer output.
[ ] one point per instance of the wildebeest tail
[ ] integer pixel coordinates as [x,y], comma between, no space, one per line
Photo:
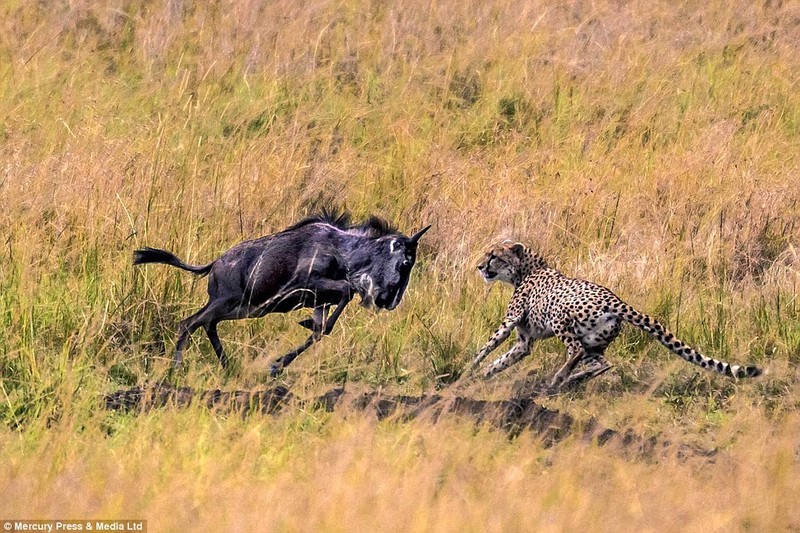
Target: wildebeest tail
[154,255]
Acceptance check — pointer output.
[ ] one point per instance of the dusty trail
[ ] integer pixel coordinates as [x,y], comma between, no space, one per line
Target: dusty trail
[513,416]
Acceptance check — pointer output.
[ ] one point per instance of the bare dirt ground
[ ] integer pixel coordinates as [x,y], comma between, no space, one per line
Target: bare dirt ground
[515,415]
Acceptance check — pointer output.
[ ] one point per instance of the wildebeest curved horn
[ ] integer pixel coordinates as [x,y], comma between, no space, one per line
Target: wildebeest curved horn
[414,238]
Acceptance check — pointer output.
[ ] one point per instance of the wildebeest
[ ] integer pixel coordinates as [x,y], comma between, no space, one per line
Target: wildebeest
[321,261]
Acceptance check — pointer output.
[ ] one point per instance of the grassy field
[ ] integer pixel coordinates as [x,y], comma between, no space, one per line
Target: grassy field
[653,147]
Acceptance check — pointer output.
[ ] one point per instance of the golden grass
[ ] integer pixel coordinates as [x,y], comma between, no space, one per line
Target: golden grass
[650,146]
[188,470]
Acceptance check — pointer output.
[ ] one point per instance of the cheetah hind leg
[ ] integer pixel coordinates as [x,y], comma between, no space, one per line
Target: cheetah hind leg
[575,353]
[596,366]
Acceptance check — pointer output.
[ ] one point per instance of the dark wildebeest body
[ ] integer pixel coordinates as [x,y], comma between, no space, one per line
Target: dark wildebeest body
[318,263]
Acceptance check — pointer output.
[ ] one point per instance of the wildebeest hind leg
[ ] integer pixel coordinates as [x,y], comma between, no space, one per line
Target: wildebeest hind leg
[209,314]
[211,331]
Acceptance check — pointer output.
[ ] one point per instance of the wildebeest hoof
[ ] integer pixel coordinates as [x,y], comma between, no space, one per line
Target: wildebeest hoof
[308,323]
[275,370]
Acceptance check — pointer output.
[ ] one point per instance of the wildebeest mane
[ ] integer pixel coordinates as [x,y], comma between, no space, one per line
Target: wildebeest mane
[377,227]
[336,218]
[373,227]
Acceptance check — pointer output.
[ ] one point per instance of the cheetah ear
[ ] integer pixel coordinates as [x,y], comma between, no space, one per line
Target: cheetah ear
[518,249]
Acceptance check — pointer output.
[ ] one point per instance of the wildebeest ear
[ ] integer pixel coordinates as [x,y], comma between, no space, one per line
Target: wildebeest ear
[414,238]
[518,248]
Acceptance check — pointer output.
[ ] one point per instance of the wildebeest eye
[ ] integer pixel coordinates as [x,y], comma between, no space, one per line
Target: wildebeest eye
[395,246]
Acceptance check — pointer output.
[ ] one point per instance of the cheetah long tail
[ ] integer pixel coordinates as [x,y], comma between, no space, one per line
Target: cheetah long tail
[681,349]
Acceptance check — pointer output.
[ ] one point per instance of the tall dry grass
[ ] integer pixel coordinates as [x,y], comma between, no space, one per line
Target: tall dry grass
[649,146]
[196,471]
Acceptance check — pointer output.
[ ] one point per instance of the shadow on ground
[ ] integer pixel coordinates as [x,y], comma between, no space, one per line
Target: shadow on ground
[513,416]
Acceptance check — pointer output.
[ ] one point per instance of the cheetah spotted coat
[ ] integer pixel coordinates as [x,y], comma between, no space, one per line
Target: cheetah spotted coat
[585,316]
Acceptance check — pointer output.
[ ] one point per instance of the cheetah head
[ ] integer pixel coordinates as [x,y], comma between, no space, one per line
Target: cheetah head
[502,263]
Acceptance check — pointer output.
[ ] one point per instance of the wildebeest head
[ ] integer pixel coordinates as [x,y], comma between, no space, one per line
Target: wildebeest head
[382,267]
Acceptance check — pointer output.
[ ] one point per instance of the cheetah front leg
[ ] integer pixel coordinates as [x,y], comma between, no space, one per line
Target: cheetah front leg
[495,340]
[520,349]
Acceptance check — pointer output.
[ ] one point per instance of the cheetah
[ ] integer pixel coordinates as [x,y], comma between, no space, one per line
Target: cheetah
[585,316]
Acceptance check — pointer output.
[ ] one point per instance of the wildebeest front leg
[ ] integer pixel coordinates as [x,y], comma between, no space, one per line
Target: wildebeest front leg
[317,321]
[322,326]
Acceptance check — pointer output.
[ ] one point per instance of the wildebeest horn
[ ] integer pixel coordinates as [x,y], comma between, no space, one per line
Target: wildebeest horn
[414,238]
